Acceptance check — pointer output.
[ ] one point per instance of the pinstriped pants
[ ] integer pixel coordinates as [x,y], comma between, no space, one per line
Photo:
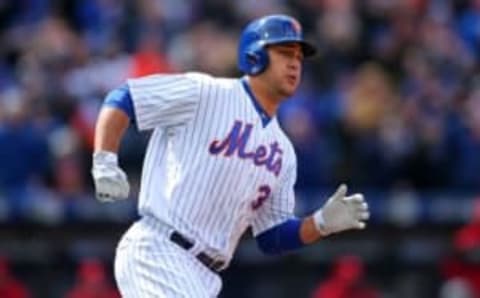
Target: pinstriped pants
[149,265]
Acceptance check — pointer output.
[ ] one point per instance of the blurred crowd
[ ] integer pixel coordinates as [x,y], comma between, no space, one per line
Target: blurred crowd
[91,280]
[391,101]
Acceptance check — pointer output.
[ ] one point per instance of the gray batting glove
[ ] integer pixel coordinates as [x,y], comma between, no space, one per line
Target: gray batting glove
[110,180]
[342,212]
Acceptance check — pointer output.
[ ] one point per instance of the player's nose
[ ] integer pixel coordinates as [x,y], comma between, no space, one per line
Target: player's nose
[296,62]
[294,66]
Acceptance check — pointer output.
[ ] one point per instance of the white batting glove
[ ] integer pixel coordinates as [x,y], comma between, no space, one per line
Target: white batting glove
[110,180]
[341,213]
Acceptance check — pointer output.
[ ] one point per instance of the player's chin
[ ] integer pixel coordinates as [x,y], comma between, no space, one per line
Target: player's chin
[290,86]
[288,90]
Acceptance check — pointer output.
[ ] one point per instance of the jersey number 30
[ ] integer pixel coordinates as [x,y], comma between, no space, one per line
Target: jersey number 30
[263,194]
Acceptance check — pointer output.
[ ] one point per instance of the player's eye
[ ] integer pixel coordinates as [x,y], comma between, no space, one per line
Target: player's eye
[291,53]
[287,53]
[294,55]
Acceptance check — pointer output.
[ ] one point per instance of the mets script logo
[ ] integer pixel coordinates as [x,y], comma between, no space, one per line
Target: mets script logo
[236,141]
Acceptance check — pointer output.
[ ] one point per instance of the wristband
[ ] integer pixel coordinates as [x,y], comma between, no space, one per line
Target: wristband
[105,157]
[319,221]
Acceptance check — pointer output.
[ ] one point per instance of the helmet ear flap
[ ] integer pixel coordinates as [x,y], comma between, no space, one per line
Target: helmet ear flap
[257,60]
[252,58]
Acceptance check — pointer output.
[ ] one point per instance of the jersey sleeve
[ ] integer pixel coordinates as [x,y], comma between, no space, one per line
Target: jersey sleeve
[280,207]
[164,100]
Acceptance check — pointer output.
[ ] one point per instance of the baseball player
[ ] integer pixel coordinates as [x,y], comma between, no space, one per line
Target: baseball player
[217,163]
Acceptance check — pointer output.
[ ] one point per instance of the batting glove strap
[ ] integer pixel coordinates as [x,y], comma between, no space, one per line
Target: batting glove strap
[341,213]
[105,158]
[320,222]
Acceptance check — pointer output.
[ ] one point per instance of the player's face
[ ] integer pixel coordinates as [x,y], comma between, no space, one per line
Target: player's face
[285,67]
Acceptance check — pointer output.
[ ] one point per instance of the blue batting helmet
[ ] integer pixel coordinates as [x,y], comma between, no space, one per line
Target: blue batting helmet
[268,30]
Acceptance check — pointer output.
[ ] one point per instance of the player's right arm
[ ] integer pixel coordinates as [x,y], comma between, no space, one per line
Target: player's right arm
[156,101]
[117,112]
[111,126]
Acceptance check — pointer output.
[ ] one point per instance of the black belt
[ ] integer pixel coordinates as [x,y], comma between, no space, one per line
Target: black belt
[205,259]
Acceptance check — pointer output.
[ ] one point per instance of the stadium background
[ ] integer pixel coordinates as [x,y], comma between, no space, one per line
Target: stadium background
[391,106]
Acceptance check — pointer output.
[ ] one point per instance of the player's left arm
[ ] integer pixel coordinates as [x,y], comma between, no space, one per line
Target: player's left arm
[339,213]
[278,231]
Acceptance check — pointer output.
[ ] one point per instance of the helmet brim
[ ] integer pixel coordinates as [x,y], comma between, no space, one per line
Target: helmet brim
[308,49]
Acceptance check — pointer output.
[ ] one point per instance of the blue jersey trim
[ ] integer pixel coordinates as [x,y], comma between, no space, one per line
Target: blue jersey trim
[261,112]
[120,98]
[281,238]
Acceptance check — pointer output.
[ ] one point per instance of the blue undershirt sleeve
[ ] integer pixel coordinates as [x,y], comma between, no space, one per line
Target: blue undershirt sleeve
[282,238]
[120,98]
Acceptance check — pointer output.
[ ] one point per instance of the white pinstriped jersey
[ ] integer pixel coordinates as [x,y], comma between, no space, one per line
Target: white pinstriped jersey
[211,169]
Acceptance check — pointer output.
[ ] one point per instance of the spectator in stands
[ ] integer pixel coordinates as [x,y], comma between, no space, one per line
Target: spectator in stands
[347,280]
[464,264]
[24,153]
[92,282]
[10,287]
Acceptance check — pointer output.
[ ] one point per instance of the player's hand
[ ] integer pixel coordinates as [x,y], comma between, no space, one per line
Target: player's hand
[110,180]
[342,212]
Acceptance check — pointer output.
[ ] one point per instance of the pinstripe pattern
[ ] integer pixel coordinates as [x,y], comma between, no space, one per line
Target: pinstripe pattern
[157,99]
[148,265]
[206,196]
